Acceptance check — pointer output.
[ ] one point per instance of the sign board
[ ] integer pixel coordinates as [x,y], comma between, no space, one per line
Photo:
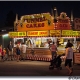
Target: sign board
[17,34]
[77,24]
[55,32]
[67,32]
[76,58]
[63,22]
[34,22]
[37,33]
[70,33]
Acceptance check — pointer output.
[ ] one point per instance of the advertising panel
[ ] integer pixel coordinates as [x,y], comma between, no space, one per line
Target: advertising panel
[55,32]
[76,58]
[70,33]
[63,22]
[37,33]
[34,22]
[77,24]
[17,34]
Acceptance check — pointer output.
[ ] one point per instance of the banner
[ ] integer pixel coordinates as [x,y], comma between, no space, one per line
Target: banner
[77,24]
[63,22]
[70,33]
[67,32]
[37,33]
[76,58]
[17,34]
[34,22]
[55,32]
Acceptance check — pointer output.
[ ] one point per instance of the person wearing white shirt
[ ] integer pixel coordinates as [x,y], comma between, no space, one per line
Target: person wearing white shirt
[23,51]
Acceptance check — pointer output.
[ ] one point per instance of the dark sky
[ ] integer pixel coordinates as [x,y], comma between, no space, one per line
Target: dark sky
[33,7]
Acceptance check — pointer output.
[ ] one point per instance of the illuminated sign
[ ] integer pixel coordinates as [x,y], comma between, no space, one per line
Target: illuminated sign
[34,22]
[63,22]
[37,33]
[15,34]
[76,58]
[77,24]
[70,33]
[55,32]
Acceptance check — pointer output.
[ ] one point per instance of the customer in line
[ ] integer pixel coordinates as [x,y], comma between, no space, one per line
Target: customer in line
[69,58]
[53,49]
[10,50]
[18,52]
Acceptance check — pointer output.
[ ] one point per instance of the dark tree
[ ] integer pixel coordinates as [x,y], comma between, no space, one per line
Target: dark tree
[10,19]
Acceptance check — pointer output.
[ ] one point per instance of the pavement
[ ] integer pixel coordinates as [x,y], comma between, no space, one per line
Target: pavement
[33,68]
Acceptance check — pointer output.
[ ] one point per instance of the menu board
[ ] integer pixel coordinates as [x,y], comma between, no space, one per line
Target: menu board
[38,33]
[76,58]
[70,33]
[17,34]
[63,22]
[55,33]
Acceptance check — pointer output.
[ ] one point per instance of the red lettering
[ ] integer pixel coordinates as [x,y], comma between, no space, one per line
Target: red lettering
[35,25]
[76,20]
[31,25]
[78,27]
[63,21]
[63,25]
[36,20]
[27,25]
[42,24]
[42,33]
[39,25]
[36,33]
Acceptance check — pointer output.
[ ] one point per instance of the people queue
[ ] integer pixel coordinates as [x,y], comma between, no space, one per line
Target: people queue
[17,53]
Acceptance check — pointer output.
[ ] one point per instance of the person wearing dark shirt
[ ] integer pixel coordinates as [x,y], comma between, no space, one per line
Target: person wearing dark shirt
[18,53]
[10,51]
[69,43]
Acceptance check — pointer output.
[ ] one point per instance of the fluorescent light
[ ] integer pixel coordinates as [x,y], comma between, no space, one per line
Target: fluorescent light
[5,35]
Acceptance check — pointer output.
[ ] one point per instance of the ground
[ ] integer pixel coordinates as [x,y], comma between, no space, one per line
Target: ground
[33,68]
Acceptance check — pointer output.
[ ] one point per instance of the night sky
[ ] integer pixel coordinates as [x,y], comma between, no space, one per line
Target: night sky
[33,7]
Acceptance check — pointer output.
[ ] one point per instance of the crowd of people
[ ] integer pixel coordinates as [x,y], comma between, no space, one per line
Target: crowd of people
[18,53]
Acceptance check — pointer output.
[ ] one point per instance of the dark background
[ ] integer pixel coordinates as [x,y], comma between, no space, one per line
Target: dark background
[8,9]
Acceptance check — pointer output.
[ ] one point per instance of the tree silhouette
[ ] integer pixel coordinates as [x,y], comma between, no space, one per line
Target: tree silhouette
[10,19]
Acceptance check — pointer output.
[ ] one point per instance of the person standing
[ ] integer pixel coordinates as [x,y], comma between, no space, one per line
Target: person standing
[18,53]
[10,50]
[69,58]
[53,49]
[23,51]
[3,54]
